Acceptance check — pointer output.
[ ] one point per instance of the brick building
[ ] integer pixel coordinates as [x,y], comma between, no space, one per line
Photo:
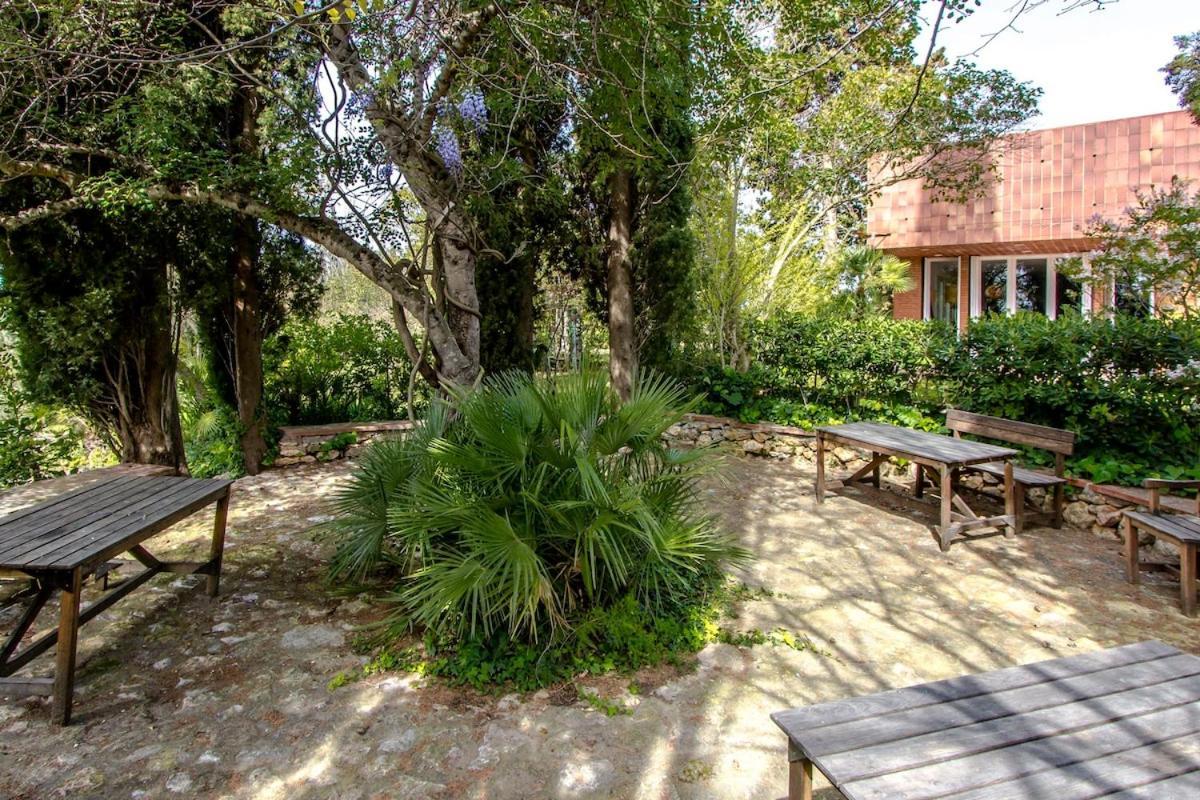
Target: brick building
[999,252]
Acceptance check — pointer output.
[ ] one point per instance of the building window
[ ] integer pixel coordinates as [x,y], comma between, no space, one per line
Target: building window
[1005,285]
[941,289]
[1068,296]
[993,286]
[1030,285]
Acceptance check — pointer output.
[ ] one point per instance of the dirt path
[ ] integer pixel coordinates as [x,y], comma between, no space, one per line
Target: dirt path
[182,697]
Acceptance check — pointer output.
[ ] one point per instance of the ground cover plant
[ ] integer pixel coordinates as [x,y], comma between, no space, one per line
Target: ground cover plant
[537,526]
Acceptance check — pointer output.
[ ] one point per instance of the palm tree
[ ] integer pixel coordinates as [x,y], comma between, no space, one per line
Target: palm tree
[521,505]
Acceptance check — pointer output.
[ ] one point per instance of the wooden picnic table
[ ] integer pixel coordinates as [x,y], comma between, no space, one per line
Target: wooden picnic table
[944,456]
[1122,724]
[62,541]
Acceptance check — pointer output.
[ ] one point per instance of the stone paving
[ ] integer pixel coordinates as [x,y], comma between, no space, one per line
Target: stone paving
[180,696]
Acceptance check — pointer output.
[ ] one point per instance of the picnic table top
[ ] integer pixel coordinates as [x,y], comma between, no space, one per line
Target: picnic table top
[1122,724]
[920,444]
[87,526]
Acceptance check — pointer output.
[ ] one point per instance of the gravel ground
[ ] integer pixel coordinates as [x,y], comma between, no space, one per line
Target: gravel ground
[180,696]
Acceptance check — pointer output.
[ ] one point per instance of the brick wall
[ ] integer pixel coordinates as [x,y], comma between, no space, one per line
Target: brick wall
[1050,184]
[908,305]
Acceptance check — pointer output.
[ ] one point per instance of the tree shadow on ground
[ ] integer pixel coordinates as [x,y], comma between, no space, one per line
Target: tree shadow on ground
[865,584]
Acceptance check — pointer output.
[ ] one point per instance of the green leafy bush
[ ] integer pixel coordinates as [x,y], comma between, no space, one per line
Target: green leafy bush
[211,437]
[1130,388]
[529,503]
[353,369]
[818,370]
[36,440]
[620,638]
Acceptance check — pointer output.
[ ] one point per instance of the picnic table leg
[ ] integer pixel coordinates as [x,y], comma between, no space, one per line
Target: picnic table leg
[1133,572]
[800,775]
[820,467]
[1060,492]
[947,487]
[919,486]
[68,633]
[218,544]
[1010,502]
[1187,577]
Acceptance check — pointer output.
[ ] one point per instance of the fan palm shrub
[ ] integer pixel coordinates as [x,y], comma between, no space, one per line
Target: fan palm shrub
[521,506]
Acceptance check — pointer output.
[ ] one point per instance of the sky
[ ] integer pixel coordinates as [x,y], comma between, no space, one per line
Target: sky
[1091,65]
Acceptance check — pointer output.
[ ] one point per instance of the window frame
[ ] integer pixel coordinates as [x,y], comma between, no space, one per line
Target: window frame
[927,286]
[1010,298]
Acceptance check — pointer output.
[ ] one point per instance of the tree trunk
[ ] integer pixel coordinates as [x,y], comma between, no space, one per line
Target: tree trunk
[247,322]
[247,344]
[146,404]
[462,304]
[622,358]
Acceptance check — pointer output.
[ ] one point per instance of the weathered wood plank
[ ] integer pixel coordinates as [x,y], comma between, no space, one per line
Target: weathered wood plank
[85,544]
[1042,437]
[1181,787]
[1109,753]
[26,687]
[29,552]
[995,734]
[1028,477]
[913,443]
[798,722]
[52,528]
[65,508]
[909,723]
[1169,524]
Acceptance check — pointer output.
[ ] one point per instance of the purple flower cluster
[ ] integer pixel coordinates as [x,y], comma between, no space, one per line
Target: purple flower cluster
[447,147]
[473,110]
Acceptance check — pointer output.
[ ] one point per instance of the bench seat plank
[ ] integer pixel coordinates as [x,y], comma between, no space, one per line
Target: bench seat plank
[1183,527]
[1073,766]
[1120,723]
[798,722]
[1028,477]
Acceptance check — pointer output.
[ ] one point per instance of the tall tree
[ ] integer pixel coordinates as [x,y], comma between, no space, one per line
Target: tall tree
[1183,73]
[371,117]
[97,320]
[634,165]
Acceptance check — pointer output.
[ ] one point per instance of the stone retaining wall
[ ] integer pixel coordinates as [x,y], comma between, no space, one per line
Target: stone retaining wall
[305,444]
[1085,509]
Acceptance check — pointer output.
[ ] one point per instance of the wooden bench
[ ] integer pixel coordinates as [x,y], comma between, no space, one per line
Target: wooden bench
[1120,724]
[1181,530]
[60,542]
[1054,440]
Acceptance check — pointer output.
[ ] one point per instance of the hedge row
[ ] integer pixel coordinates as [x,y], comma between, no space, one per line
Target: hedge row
[1129,387]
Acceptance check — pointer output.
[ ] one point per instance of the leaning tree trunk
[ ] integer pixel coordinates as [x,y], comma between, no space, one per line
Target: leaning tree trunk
[622,359]
[462,302]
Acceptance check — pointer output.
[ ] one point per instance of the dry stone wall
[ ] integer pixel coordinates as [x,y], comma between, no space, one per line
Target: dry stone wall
[1085,509]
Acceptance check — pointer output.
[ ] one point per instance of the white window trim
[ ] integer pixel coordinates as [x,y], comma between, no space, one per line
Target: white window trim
[927,282]
[1010,299]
